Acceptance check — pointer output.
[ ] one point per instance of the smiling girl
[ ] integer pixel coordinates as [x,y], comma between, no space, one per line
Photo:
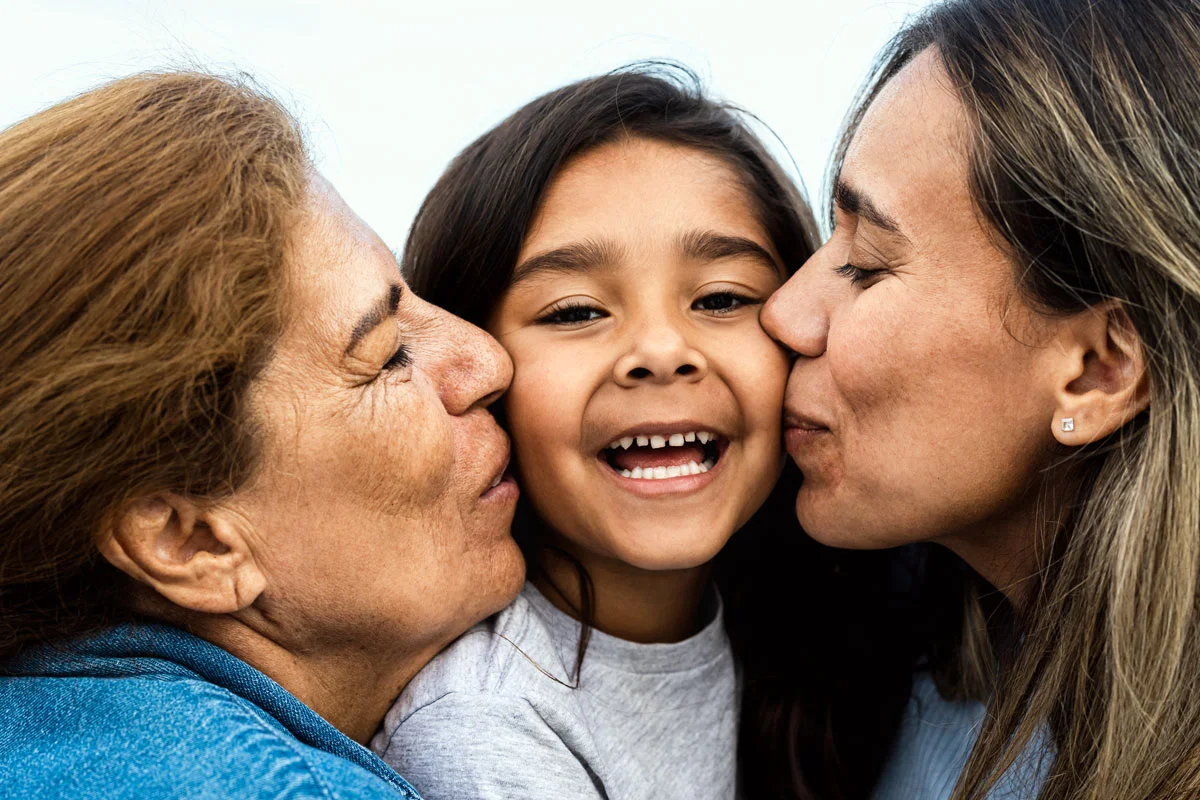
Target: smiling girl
[619,237]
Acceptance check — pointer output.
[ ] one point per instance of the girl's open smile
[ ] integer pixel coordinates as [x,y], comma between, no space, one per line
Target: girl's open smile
[664,459]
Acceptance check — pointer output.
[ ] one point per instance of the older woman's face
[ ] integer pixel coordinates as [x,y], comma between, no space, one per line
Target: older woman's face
[379,512]
[919,407]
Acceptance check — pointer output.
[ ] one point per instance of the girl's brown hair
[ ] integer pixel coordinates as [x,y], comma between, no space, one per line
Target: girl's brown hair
[143,230]
[1085,161]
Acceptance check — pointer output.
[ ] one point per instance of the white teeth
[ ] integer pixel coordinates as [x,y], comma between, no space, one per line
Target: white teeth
[656,441]
[664,473]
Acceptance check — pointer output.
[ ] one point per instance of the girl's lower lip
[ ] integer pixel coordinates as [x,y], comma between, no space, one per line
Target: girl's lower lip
[796,439]
[664,486]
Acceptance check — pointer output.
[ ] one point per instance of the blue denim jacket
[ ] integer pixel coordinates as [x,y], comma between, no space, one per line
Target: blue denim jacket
[151,712]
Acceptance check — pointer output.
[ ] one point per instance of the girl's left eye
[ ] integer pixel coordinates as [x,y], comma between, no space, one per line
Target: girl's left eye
[723,302]
[571,314]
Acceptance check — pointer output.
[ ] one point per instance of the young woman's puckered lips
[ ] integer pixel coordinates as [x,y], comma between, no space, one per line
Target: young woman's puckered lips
[801,431]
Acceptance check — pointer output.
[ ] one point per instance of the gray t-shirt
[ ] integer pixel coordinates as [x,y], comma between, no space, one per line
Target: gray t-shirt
[494,715]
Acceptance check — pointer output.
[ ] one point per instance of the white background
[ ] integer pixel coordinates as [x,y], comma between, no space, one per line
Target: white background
[391,91]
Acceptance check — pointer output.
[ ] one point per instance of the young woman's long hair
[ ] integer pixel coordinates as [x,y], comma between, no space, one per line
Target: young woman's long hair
[826,663]
[1085,160]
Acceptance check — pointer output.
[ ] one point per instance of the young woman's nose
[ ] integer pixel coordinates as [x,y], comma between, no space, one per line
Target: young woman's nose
[659,353]
[797,315]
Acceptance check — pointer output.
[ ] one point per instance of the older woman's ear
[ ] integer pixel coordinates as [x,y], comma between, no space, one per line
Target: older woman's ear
[198,557]
[1101,382]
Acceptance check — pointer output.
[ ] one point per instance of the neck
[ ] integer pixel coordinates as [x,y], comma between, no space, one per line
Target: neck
[638,605]
[1008,549]
[350,685]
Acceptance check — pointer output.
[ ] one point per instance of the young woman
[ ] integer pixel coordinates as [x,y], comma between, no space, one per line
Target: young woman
[619,237]
[998,353]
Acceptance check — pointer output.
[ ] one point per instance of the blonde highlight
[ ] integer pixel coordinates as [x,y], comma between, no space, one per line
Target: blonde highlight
[1085,160]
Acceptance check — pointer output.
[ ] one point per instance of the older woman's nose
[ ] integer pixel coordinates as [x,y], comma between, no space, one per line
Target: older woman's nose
[796,317]
[473,370]
[659,353]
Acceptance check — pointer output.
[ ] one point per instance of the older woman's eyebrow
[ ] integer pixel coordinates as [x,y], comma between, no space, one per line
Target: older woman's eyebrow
[579,256]
[384,307]
[853,201]
[708,246]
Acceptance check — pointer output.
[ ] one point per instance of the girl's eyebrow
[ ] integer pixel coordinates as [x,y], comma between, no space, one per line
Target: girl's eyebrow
[580,256]
[706,246]
[589,254]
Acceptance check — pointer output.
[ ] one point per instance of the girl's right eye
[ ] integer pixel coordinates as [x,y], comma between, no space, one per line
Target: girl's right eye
[571,313]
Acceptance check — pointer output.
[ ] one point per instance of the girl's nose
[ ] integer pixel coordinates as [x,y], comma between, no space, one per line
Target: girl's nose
[661,354]
[796,316]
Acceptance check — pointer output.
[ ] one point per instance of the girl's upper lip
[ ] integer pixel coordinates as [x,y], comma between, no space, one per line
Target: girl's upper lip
[803,422]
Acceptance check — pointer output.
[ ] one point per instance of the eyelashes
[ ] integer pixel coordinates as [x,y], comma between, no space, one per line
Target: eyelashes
[859,276]
[573,312]
[570,313]
[400,359]
[724,302]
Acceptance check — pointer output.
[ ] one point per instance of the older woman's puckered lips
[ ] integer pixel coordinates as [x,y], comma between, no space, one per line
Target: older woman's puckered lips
[501,487]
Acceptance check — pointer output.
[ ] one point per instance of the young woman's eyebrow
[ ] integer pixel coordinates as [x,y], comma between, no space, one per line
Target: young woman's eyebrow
[853,201]
[384,307]
[706,246]
[579,256]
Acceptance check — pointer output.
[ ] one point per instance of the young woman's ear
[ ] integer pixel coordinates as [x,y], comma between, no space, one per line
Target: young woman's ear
[1101,384]
[196,556]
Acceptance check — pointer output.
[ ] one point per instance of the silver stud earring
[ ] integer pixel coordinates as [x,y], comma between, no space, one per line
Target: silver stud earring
[1068,424]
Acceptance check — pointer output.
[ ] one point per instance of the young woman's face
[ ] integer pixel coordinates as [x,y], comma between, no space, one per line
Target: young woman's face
[632,320]
[920,407]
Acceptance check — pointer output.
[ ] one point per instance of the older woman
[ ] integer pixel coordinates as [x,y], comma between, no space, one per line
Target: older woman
[249,484]
[997,352]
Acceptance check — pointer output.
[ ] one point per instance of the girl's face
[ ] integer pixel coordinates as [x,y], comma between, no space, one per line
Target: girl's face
[645,405]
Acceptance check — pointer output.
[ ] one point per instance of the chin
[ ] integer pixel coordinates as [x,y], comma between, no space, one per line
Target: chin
[837,525]
[689,553]
[504,580]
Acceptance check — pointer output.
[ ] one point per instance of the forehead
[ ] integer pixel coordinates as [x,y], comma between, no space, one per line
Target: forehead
[909,151]
[639,187]
[338,265]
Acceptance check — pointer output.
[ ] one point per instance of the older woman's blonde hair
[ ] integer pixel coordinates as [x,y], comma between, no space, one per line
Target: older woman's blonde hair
[1085,160]
[143,232]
